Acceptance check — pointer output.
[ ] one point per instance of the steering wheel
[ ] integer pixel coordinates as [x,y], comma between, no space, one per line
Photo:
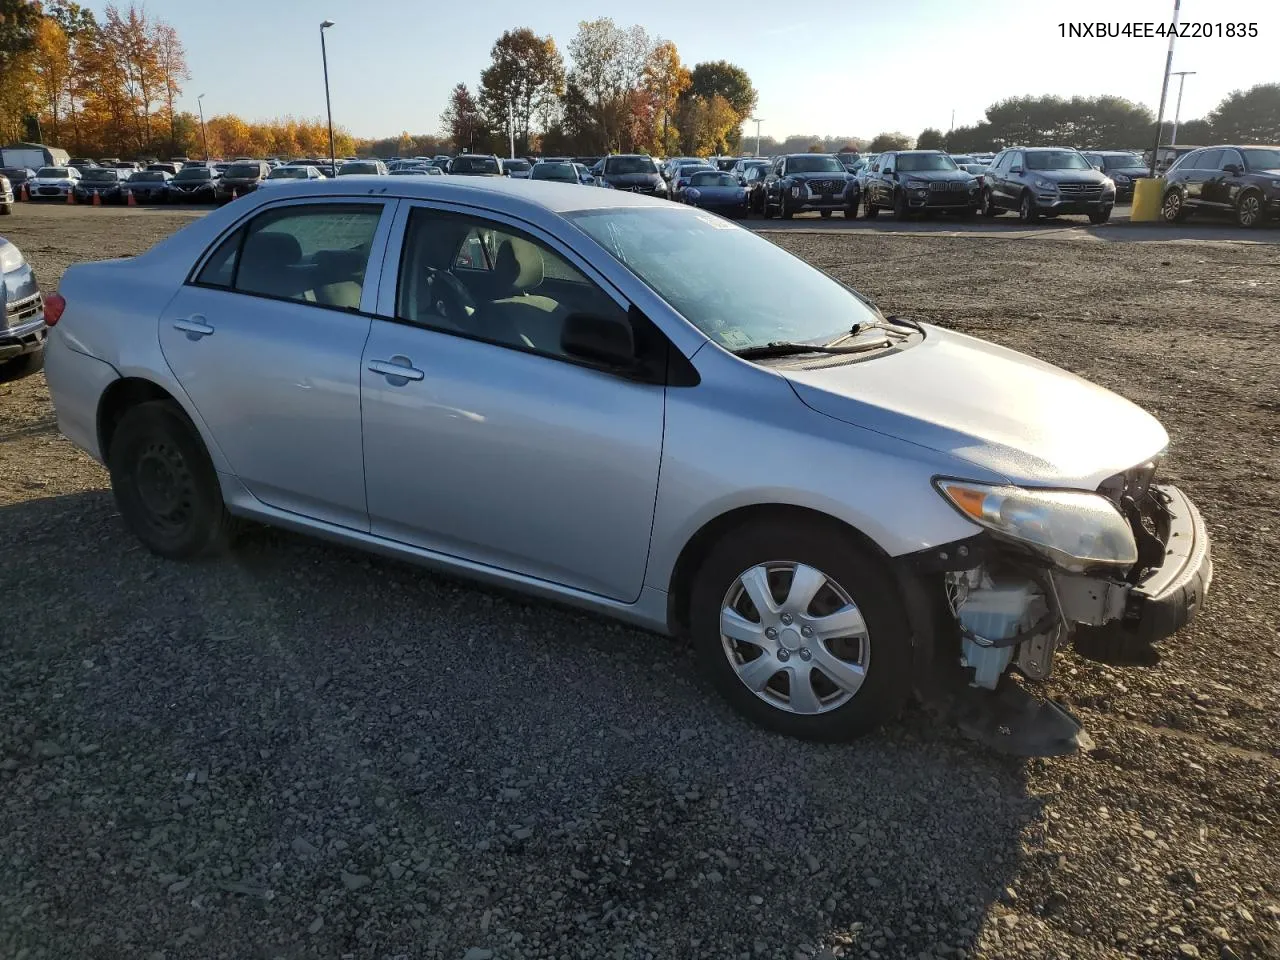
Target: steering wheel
[449,297]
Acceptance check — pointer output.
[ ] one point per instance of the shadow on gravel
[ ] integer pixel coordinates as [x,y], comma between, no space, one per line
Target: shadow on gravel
[300,750]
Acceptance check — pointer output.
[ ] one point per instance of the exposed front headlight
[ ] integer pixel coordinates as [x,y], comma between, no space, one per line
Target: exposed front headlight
[1121,178]
[1073,528]
[10,258]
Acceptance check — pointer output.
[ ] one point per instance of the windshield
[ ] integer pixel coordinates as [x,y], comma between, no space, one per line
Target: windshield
[712,180]
[554,171]
[97,174]
[347,169]
[1056,160]
[628,165]
[475,165]
[917,162]
[520,166]
[147,175]
[243,170]
[1262,159]
[1122,161]
[961,159]
[287,173]
[686,258]
[53,172]
[686,169]
[814,164]
[195,173]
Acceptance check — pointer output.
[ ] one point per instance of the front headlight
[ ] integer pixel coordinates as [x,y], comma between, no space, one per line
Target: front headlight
[917,185]
[1073,528]
[10,258]
[1044,184]
[1121,178]
[692,193]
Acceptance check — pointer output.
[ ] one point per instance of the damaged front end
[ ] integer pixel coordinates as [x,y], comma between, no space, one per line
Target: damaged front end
[1114,571]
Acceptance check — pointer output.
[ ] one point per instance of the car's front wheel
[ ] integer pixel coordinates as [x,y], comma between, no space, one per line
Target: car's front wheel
[1173,209]
[899,205]
[1027,210]
[986,206]
[869,209]
[1249,210]
[1100,216]
[784,209]
[801,630]
[165,484]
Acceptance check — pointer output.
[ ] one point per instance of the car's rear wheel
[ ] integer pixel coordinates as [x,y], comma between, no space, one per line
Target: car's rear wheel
[6,209]
[826,214]
[165,484]
[801,630]
[1027,211]
[1173,209]
[23,366]
[1249,213]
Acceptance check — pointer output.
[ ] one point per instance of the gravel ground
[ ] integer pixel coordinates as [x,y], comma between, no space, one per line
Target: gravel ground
[305,752]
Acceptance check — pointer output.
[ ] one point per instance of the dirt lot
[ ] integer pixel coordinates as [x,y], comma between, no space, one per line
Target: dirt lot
[305,752]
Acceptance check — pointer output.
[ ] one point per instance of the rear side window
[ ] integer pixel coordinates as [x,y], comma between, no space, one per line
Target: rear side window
[312,254]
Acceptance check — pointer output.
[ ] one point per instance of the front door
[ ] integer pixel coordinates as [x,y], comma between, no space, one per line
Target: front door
[1206,167]
[1220,186]
[482,439]
[266,341]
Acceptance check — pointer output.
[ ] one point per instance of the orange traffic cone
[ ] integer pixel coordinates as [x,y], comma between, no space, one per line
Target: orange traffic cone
[26,194]
[71,196]
[130,201]
[97,200]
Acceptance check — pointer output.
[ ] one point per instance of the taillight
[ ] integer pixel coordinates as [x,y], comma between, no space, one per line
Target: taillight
[54,304]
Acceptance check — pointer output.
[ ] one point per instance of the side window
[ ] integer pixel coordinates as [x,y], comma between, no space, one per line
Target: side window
[219,269]
[1210,160]
[313,254]
[519,299]
[1231,156]
[1187,161]
[887,163]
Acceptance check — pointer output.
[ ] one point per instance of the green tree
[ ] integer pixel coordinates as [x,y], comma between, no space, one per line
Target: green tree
[727,80]
[930,139]
[463,121]
[525,76]
[890,141]
[1248,116]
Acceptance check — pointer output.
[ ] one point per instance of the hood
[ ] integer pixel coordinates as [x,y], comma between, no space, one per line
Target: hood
[833,175]
[930,176]
[1267,173]
[1127,171]
[1069,176]
[631,179]
[1024,419]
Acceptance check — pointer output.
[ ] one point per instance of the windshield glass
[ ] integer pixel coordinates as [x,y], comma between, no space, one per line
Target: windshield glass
[52,172]
[628,165]
[712,180]
[347,169]
[554,171]
[1262,159]
[814,164]
[915,162]
[961,159]
[475,165]
[287,173]
[99,174]
[686,257]
[242,170]
[687,169]
[1056,160]
[1121,161]
[520,166]
[194,173]
[147,175]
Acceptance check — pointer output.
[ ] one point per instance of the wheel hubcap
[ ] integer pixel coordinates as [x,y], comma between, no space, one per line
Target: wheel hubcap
[164,486]
[795,637]
[1248,209]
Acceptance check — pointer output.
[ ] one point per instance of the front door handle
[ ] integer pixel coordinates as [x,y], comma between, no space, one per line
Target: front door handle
[194,326]
[396,367]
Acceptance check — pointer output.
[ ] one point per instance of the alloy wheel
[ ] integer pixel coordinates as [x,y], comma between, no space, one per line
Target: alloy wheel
[1172,206]
[1250,210]
[794,637]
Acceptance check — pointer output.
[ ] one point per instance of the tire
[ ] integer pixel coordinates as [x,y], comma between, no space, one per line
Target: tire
[869,209]
[851,212]
[6,209]
[884,650]
[825,214]
[783,210]
[899,205]
[165,484]
[23,366]
[1249,210]
[986,206]
[1101,216]
[1027,211]
[1173,209]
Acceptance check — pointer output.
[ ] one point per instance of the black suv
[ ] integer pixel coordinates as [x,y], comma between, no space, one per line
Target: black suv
[1046,181]
[808,181]
[240,178]
[1241,181]
[106,182]
[919,181]
[1122,167]
[475,165]
[634,172]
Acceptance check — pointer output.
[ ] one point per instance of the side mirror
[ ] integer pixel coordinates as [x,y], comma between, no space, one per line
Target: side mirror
[1015,169]
[1233,168]
[1098,167]
[606,340]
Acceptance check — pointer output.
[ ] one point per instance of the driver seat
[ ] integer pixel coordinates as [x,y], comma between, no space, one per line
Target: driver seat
[536,321]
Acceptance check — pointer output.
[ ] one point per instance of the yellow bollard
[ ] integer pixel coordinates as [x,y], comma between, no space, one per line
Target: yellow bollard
[1148,195]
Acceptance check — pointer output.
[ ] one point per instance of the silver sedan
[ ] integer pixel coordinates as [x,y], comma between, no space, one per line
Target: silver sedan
[634,407]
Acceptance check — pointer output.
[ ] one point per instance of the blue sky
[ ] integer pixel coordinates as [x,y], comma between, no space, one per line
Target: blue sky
[855,67]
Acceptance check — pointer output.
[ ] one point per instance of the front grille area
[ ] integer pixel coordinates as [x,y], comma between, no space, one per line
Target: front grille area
[49,191]
[1081,191]
[19,312]
[947,198]
[826,186]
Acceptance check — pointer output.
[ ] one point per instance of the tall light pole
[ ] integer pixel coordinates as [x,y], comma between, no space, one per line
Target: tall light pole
[757,121]
[1177,111]
[324,56]
[1164,89]
[203,135]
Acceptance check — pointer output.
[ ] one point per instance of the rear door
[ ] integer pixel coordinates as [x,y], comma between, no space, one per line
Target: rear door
[1220,186]
[1204,169]
[266,338]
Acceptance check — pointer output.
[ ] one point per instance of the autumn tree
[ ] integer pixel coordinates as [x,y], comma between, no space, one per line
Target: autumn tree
[171,62]
[51,61]
[128,41]
[462,119]
[729,81]
[526,76]
[666,78]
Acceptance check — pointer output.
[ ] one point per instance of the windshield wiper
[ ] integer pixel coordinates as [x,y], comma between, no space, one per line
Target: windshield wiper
[787,348]
[892,325]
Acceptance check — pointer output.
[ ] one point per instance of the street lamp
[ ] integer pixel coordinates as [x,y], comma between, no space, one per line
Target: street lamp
[203,135]
[324,56]
[1177,111]
[1164,89]
[757,121]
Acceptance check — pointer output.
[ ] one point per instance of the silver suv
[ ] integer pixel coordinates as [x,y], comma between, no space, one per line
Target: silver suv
[1046,181]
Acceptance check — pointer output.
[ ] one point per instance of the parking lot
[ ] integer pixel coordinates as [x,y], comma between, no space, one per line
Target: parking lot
[303,751]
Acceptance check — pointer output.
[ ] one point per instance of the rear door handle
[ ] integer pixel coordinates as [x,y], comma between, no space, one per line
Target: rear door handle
[194,326]
[396,367]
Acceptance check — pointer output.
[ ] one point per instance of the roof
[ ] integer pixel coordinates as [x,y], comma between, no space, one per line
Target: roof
[509,195]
